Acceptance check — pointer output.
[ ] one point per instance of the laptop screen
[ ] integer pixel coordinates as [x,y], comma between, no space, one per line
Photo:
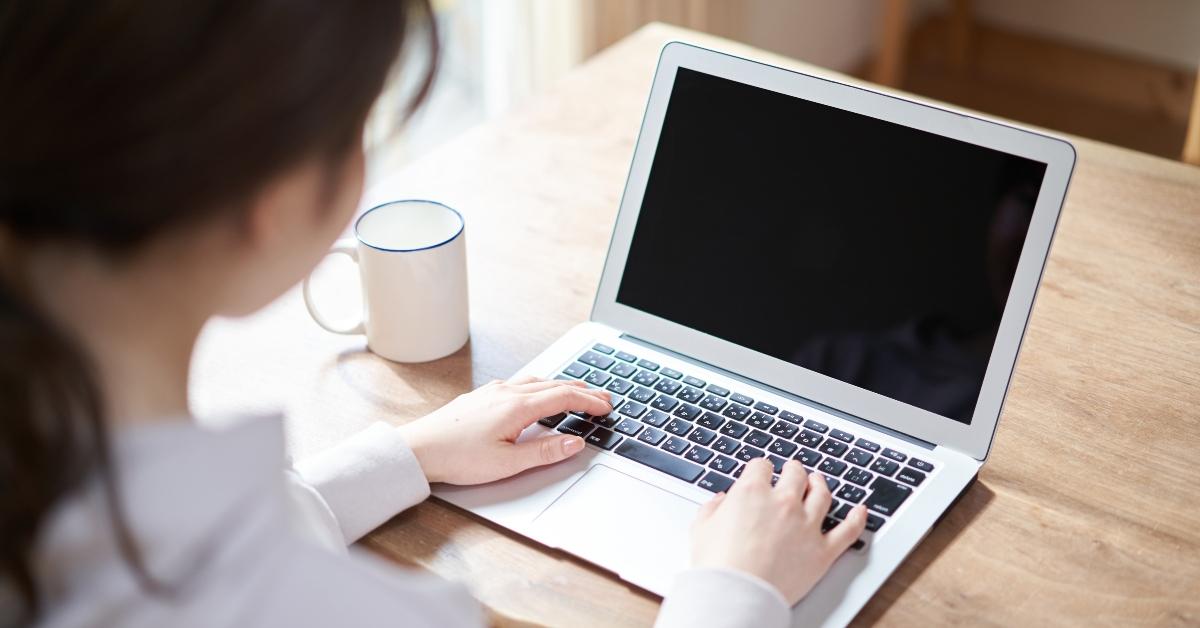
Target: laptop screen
[871,252]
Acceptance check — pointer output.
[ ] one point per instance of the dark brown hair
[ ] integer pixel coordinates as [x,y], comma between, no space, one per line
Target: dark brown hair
[119,121]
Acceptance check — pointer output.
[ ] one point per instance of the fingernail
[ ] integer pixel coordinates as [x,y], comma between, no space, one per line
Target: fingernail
[572,444]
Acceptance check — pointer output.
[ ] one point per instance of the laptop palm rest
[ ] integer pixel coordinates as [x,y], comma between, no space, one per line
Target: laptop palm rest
[603,517]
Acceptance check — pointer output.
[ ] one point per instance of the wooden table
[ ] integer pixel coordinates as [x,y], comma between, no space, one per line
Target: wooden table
[1088,510]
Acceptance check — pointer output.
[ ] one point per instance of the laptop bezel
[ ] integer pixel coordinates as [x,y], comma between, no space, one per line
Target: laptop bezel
[973,439]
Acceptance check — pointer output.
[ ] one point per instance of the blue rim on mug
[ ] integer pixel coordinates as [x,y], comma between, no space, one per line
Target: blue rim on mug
[461,225]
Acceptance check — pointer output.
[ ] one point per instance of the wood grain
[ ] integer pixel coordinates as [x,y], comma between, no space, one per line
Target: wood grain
[1086,512]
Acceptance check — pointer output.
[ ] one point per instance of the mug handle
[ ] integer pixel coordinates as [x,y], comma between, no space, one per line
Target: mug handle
[348,247]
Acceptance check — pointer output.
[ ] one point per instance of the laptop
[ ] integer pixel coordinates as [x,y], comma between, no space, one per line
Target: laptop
[800,269]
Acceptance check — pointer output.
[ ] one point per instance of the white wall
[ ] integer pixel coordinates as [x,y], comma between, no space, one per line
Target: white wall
[837,34]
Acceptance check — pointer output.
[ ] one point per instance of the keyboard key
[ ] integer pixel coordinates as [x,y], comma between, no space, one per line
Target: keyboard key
[621,355]
[676,445]
[655,418]
[629,426]
[920,465]
[832,467]
[607,420]
[595,360]
[809,438]
[776,462]
[874,522]
[843,511]
[737,473]
[658,459]
[783,448]
[702,436]
[724,464]
[672,373]
[894,455]
[632,409]
[605,349]
[859,457]
[734,429]
[808,457]
[845,437]
[765,407]
[694,382]
[883,466]
[791,417]
[911,476]
[742,399]
[710,420]
[715,482]
[858,476]
[736,412]
[726,445]
[831,447]
[602,438]
[849,493]
[831,482]
[690,395]
[698,455]
[679,427]
[620,386]
[641,395]
[552,421]
[828,524]
[614,399]
[645,378]
[748,453]
[664,403]
[576,426]
[717,390]
[759,420]
[783,430]
[576,370]
[816,427]
[886,496]
[623,370]
[652,436]
[667,386]
[833,505]
[648,365]
[758,438]
[867,445]
[687,412]
[562,378]
[713,402]
[597,378]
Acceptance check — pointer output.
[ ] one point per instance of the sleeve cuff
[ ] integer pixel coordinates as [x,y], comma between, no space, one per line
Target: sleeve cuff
[723,598]
[367,479]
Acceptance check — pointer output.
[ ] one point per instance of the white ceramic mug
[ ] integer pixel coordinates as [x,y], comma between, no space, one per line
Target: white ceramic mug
[412,259]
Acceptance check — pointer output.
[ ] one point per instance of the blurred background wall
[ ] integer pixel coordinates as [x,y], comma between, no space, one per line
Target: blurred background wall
[1120,71]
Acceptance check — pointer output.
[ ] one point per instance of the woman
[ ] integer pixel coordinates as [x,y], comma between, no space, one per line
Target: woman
[164,163]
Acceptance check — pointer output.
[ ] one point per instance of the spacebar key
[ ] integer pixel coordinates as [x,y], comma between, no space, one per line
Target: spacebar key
[660,460]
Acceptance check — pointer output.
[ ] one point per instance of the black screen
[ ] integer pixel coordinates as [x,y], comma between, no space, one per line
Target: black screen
[871,252]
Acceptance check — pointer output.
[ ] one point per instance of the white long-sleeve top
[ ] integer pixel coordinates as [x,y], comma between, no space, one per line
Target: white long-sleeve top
[237,542]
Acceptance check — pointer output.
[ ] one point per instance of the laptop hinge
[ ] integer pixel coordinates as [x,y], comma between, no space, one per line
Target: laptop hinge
[783,393]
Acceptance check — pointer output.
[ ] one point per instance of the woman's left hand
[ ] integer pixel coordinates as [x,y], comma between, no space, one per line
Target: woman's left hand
[472,439]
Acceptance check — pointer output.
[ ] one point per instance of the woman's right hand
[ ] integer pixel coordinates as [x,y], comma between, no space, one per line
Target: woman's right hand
[774,532]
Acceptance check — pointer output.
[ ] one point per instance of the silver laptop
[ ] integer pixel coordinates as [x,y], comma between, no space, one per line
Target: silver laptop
[799,269]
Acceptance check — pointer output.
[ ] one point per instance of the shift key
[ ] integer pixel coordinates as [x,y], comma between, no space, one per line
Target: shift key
[658,459]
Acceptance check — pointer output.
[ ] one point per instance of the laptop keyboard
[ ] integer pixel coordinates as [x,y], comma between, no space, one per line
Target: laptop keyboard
[704,434]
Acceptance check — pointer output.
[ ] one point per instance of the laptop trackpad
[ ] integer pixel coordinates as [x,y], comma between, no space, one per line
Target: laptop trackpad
[623,524]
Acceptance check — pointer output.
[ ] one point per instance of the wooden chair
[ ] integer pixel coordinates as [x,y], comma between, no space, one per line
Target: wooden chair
[1191,141]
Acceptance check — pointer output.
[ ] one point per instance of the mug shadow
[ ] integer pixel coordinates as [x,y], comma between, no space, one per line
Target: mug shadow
[969,505]
[401,390]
